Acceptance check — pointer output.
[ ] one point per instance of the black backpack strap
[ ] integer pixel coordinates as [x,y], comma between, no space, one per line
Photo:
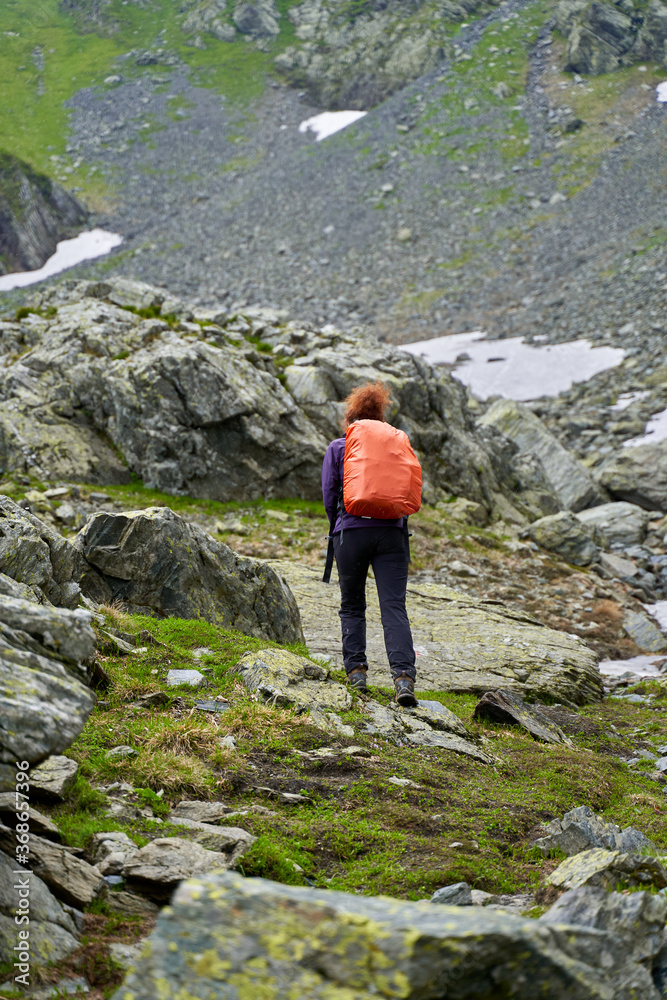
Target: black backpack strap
[328,566]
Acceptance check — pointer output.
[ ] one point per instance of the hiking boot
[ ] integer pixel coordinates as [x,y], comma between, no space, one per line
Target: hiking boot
[357,679]
[405,691]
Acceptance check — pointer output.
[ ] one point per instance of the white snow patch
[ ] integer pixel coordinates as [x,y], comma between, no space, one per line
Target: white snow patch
[659,612]
[656,430]
[661,92]
[642,666]
[627,398]
[85,246]
[329,122]
[514,369]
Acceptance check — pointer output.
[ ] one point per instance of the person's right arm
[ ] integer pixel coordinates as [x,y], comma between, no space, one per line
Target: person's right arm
[330,481]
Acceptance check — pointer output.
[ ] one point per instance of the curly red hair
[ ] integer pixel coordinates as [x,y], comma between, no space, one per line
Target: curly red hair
[367,402]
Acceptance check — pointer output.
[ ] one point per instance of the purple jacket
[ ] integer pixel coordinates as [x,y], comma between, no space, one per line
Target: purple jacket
[332,480]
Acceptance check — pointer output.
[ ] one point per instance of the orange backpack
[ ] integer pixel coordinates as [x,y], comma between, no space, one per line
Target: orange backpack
[382,476]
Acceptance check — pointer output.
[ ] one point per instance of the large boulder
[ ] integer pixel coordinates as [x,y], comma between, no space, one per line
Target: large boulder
[35,555]
[259,19]
[227,936]
[580,829]
[35,213]
[609,869]
[156,563]
[618,523]
[44,702]
[53,933]
[652,37]
[571,482]
[567,536]
[638,475]
[639,918]
[465,645]
[157,868]
[601,36]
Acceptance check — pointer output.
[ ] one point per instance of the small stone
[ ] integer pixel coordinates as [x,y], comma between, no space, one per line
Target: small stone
[52,779]
[277,515]
[403,782]
[193,678]
[120,753]
[404,235]
[502,90]
[506,707]
[458,894]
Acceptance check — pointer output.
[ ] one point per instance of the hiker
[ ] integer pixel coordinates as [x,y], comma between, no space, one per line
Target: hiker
[371,480]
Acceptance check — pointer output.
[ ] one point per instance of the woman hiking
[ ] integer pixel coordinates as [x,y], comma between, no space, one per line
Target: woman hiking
[371,480]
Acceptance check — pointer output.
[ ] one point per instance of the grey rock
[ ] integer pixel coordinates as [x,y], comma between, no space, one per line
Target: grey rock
[637,919]
[564,534]
[39,823]
[608,869]
[111,850]
[283,678]
[619,523]
[36,213]
[53,933]
[481,898]
[458,894]
[51,632]
[52,779]
[580,829]
[469,646]
[447,741]
[43,706]
[10,588]
[36,555]
[157,868]
[71,879]
[131,904]
[569,479]
[455,952]
[437,716]
[231,841]
[204,16]
[154,561]
[652,36]
[638,475]
[601,35]
[506,707]
[259,19]
[406,726]
[193,678]
[120,753]
[200,812]
[616,567]
[644,631]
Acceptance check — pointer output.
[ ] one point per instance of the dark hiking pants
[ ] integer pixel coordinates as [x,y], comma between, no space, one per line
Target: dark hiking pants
[386,550]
